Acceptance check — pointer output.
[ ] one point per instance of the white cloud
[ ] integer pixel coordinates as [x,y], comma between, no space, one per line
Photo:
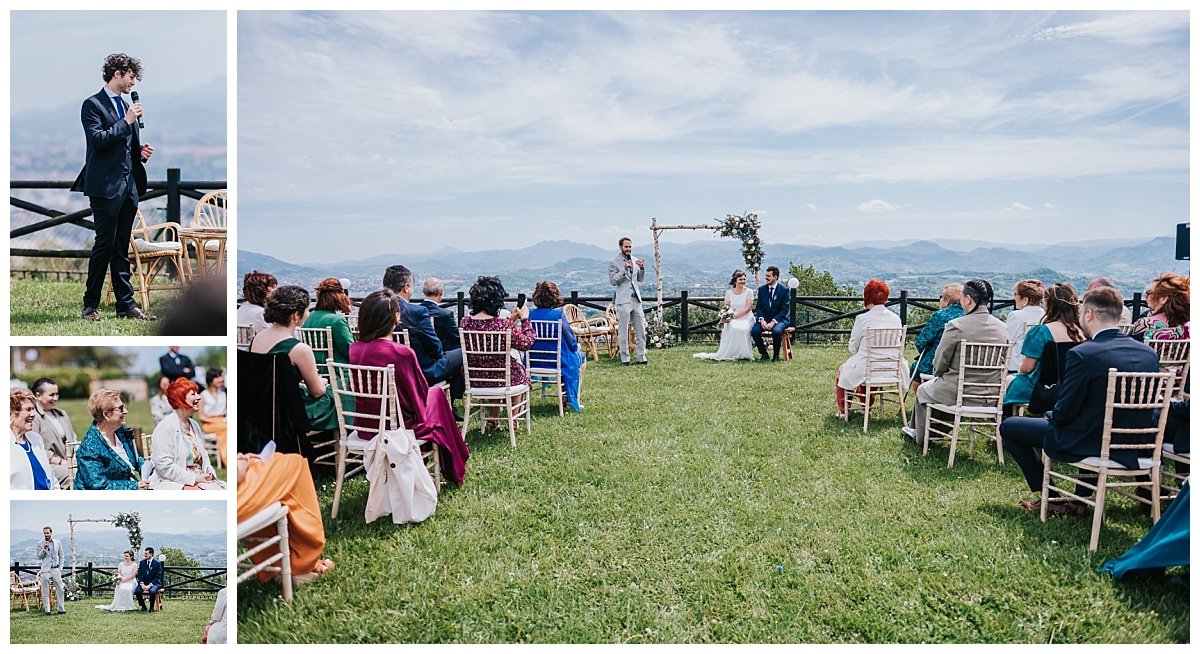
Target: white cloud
[876,206]
[1047,205]
[811,206]
[1018,206]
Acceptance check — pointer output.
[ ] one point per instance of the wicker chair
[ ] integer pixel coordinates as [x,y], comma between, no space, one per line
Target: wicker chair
[1129,391]
[21,591]
[545,366]
[978,405]
[482,393]
[351,383]
[212,212]
[280,559]
[589,332]
[885,374]
[151,248]
[245,334]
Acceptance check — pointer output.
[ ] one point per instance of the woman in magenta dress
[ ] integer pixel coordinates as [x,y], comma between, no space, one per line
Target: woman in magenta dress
[487,299]
[426,410]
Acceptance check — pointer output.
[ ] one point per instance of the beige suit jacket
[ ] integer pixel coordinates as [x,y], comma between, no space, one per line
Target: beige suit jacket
[977,327]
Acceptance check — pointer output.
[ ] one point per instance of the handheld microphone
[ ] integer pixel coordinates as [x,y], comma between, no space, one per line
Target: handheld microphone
[133,95]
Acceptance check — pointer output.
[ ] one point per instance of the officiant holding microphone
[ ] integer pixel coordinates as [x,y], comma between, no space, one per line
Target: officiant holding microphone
[625,273]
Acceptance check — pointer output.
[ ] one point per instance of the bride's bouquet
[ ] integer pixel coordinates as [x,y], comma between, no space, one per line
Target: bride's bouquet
[116,580]
[724,314]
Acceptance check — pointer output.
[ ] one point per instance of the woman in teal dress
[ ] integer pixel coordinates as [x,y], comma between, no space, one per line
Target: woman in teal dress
[286,309]
[107,458]
[1059,325]
[547,300]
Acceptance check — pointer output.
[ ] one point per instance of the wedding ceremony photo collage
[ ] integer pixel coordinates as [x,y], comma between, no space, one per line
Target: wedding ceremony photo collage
[596,324]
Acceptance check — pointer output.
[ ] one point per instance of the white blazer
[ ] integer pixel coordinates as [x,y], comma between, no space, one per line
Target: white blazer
[20,472]
[170,452]
[854,370]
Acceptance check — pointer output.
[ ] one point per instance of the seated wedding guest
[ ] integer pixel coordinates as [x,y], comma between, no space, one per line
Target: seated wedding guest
[853,372]
[931,334]
[1027,296]
[107,458]
[444,322]
[1169,299]
[213,401]
[287,307]
[256,286]
[53,425]
[29,466]
[487,298]
[177,449]
[437,363]
[333,305]
[1105,281]
[546,301]
[159,406]
[425,408]
[286,479]
[1060,325]
[217,627]
[977,325]
[1073,430]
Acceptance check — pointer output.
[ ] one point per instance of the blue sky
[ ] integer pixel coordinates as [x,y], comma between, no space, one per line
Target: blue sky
[169,516]
[56,55]
[412,131]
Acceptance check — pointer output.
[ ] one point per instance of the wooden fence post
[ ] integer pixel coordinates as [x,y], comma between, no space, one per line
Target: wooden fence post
[173,195]
[459,306]
[1136,309]
[683,316]
[904,308]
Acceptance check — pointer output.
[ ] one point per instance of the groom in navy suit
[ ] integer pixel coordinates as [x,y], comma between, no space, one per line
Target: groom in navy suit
[149,579]
[772,313]
[113,177]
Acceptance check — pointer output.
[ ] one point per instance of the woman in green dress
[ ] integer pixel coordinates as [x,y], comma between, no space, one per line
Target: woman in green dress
[1059,325]
[333,305]
[286,309]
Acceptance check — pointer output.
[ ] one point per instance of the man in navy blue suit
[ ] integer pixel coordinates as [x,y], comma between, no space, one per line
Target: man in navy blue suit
[437,364]
[1074,429]
[113,177]
[444,322]
[149,579]
[772,311]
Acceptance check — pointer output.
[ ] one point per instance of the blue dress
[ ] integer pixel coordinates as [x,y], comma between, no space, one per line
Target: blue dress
[1020,389]
[100,468]
[930,336]
[571,358]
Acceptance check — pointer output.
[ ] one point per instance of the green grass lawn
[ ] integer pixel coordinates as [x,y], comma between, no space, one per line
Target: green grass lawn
[696,501]
[53,308]
[139,416]
[182,621]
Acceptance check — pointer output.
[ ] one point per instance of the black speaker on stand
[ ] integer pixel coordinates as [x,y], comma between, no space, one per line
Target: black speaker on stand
[1183,242]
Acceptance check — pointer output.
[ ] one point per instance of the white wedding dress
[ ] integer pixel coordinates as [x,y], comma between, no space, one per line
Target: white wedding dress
[123,595]
[735,335]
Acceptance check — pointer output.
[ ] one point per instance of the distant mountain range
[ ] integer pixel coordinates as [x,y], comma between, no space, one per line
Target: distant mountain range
[105,547]
[919,266]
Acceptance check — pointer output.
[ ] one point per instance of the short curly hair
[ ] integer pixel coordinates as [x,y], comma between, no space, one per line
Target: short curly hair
[546,296]
[118,62]
[17,397]
[284,302]
[487,295]
[178,391]
[256,285]
[1031,290]
[1175,292]
[876,292]
[101,402]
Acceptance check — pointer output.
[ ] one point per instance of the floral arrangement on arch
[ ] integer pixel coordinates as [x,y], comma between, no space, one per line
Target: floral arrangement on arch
[745,227]
[71,590]
[657,332]
[133,523]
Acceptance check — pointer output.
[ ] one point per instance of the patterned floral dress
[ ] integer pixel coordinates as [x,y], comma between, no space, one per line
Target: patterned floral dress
[523,338]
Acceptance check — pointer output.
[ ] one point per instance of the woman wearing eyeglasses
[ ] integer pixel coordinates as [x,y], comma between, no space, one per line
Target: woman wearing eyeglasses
[107,457]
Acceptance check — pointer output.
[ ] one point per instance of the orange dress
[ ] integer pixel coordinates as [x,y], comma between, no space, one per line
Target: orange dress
[285,479]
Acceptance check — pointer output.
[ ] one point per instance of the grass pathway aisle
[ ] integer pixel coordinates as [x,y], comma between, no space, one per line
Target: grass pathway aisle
[695,501]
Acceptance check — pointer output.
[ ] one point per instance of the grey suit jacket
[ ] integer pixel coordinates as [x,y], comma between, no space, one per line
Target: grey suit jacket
[626,281]
[978,327]
[50,556]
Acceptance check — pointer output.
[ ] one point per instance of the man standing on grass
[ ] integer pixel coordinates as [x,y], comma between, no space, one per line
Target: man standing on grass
[113,177]
[625,273]
[50,562]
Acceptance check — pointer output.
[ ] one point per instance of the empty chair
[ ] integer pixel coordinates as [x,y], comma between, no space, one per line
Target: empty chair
[278,558]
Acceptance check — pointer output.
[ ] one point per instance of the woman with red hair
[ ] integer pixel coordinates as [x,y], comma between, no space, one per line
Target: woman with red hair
[853,372]
[1169,297]
[177,448]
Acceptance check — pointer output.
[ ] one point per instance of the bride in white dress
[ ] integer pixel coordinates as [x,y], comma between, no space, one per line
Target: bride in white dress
[735,335]
[123,595]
